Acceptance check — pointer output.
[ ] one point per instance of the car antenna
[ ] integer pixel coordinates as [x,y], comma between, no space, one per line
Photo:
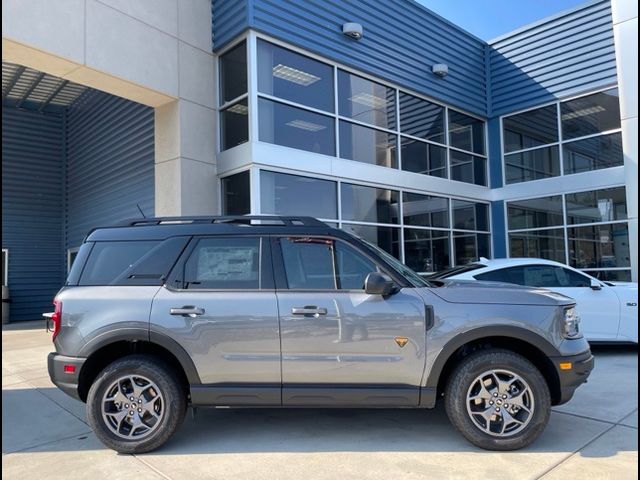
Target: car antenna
[143,215]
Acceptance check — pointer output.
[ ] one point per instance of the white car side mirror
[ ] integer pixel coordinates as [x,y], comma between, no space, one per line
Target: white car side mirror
[595,284]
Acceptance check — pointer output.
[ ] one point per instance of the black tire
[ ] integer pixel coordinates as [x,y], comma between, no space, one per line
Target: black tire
[460,382]
[174,398]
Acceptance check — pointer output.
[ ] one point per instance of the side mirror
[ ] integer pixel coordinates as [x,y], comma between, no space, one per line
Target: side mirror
[595,284]
[379,284]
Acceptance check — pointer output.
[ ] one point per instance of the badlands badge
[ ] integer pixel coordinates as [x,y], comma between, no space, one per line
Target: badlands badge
[401,341]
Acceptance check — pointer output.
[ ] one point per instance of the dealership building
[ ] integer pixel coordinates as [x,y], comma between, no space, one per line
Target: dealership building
[379,117]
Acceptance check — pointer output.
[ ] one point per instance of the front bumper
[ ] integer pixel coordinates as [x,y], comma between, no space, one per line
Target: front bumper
[572,378]
[65,381]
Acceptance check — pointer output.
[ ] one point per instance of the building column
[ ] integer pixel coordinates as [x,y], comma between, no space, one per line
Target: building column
[625,31]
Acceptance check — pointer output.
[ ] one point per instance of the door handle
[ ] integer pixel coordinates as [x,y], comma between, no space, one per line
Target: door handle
[309,311]
[187,311]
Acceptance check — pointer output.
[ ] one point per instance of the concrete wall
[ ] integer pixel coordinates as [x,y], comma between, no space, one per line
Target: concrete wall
[156,53]
[625,30]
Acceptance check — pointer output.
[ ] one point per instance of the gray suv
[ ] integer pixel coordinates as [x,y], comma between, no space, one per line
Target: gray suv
[165,313]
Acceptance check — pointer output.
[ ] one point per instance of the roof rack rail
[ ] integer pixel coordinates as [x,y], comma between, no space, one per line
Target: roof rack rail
[271,220]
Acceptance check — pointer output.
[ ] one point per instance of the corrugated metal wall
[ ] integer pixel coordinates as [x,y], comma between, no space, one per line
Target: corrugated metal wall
[32,204]
[110,163]
[566,54]
[230,18]
[402,41]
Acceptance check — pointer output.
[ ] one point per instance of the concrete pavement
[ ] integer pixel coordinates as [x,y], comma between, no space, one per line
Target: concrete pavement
[44,433]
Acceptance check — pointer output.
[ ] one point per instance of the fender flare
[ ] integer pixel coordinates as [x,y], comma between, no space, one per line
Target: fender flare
[144,335]
[506,331]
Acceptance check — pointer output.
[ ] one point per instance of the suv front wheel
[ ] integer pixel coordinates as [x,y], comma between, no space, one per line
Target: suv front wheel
[498,400]
[136,404]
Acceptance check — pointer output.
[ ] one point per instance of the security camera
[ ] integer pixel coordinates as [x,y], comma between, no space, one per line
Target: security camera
[440,69]
[353,30]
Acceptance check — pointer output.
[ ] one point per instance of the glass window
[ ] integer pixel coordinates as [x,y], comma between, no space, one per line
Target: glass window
[5,267]
[611,275]
[469,247]
[548,244]
[298,78]
[387,238]
[366,101]
[593,153]
[283,194]
[513,275]
[425,210]
[369,204]
[367,145]
[532,165]
[465,132]
[308,263]
[426,250]
[530,129]
[470,215]
[422,157]
[591,114]
[468,168]
[233,73]
[535,213]
[604,205]
[230,263]
[296,128]
[236,194]
[599,246]
[234,125]
[108,260]
[421,118]
[352,267]
[541,276]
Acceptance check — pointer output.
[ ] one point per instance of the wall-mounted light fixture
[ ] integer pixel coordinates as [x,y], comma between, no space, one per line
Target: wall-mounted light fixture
[440,69]
[352,30]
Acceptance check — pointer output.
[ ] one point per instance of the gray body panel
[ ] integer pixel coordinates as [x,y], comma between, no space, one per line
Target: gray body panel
[352,344]
[235,340]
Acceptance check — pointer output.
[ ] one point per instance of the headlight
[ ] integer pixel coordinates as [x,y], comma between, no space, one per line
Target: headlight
[571,323]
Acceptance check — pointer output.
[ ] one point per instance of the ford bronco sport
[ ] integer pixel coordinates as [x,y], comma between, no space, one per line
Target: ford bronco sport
[165,313]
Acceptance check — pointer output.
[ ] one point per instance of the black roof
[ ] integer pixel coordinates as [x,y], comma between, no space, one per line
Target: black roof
[160,228]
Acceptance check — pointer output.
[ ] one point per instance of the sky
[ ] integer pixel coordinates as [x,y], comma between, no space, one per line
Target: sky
[488,19]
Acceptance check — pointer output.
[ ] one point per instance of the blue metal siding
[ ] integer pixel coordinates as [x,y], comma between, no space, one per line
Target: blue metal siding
[402,40]
[230,18]
[110,163]
[495,153]
[32,204]
[564,55]
[498,229]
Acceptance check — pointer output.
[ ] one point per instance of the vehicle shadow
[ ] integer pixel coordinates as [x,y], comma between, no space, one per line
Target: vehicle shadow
[275,430]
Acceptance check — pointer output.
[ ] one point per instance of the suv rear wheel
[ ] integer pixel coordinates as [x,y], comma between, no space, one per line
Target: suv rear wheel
[136,404]
[498,400]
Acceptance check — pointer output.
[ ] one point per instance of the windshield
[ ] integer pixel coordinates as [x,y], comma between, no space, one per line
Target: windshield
[398,266]
[450,272]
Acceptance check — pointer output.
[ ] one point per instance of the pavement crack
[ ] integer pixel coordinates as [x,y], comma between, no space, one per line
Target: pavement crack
[148,465]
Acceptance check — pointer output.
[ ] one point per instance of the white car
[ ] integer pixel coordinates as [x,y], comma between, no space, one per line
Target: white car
[608,310]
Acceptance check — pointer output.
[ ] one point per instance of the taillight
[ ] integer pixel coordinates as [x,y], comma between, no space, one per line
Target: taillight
[56,318]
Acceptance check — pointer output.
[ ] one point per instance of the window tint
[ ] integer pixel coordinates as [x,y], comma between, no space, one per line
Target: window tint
[423,157]
[233,73]
[352,267]
[367,145]
[426,250]
[470,215]
[224,263]
[236,192]
[425,210]
[108,260]
[308,263]
[532,165]
[296,128]
[541,276]
[469,247]
[547,244]
[468,168]
[234,125]
[593,153]
[298,78]
[604,205]
[421,118]
[284,194]
[599,246]
[386,238]
[530,129]
[369,204]
[465,132]
[535,213]
[366,101]
[591,114]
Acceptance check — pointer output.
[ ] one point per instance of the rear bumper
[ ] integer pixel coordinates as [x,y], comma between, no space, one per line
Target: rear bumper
[572,378]
[65,381]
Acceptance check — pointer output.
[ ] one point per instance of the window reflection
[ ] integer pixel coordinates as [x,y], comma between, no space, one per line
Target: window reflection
[236,194]
[369,204]
[425,158]
[591,114]
[421,118]
[465,132]
[530,129]
[425,210]
[366,101]
[367,145]
[284,194]
[593,153]
[532,165]
[426,250]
